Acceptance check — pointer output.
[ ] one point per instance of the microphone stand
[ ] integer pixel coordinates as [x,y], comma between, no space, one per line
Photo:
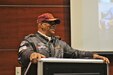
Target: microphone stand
[25,73]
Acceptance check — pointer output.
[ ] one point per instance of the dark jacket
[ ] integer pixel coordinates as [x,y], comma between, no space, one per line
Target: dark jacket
[54,48]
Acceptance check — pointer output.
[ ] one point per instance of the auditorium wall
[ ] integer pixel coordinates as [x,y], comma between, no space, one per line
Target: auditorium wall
[18,18]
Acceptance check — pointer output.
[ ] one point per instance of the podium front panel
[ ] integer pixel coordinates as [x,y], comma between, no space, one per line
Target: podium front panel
[51,66]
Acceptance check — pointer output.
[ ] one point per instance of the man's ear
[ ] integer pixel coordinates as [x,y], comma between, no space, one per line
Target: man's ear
[43,27]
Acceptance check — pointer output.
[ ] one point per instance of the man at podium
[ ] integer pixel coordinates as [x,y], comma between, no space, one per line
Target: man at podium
[44,44]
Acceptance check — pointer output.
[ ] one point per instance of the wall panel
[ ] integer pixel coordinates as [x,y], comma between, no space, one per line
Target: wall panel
[35,2]
[18,18]
[8,62]
[16,22]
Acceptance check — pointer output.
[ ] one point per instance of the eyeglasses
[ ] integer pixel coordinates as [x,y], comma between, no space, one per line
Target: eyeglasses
[53,27]
[52,24]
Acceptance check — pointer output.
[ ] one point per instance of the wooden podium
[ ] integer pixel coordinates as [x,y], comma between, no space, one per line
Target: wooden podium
[62,66]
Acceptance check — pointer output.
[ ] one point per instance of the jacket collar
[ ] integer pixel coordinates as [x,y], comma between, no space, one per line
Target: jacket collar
[42,38]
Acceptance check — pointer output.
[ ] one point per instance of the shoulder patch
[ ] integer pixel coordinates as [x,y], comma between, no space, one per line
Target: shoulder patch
[22,48]
[22,43]
[30,35]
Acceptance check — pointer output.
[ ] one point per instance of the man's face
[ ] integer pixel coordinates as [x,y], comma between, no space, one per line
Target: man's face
[50,29]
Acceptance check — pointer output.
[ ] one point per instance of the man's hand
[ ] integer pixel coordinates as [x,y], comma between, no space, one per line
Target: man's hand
[105,59]
[34,57]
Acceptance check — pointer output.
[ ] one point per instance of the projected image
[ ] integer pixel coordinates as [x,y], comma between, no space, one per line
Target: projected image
[106,23]
[106,15]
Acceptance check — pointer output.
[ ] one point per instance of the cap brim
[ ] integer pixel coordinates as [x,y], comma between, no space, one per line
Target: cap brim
[55,20]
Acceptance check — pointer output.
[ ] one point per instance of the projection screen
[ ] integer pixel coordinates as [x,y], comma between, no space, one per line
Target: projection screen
[92,25]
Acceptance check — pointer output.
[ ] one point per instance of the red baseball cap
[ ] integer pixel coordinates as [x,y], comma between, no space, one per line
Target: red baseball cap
[48,17]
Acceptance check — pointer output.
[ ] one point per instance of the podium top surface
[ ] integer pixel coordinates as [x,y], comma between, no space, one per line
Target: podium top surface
[64,60]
